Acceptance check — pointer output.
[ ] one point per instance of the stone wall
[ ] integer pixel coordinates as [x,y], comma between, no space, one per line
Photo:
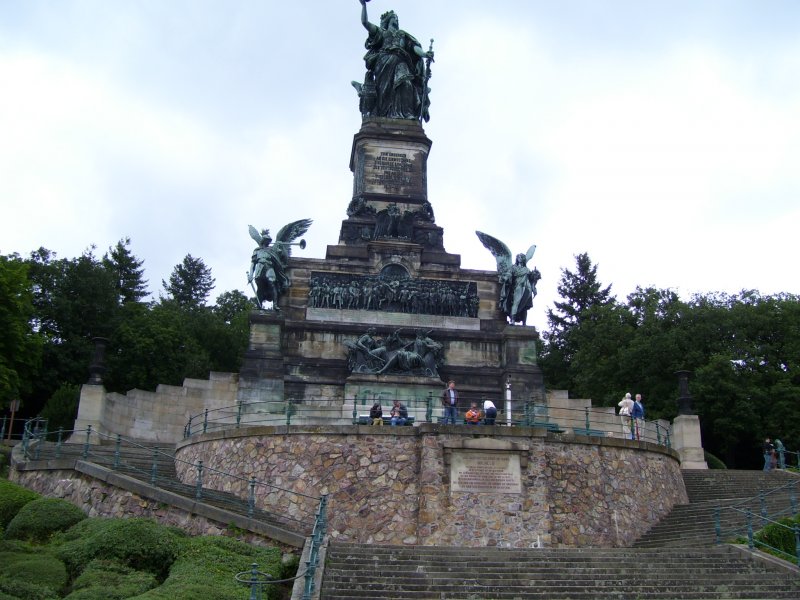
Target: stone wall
[100,499]
[392,485]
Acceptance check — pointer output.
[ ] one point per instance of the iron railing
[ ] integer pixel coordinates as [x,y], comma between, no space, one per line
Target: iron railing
[257,580]
[149,463]
[744,519]
[599,422]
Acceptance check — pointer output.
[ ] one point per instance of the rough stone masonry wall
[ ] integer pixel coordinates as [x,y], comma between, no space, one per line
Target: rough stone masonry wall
[99,499]
[390,485]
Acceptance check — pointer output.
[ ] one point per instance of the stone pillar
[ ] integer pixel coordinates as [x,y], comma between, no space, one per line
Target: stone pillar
[520,368]
[261,375]
[686,428]
[90,412]
[686,440]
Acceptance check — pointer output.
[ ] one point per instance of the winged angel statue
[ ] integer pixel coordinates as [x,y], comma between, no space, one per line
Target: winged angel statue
[517,281]
[269,262]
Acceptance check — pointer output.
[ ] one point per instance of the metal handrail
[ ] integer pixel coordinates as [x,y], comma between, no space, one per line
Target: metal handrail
[584,421]
[33,445]
[744,509]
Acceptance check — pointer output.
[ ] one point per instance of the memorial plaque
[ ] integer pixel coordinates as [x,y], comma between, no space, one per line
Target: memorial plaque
[485,472]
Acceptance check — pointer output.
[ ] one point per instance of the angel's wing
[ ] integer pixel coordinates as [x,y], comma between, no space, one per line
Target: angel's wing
[529,253]
[254,234]
[500,251]
[290,233]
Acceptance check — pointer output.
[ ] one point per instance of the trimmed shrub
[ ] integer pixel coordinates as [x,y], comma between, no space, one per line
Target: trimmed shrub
[713,462]
[779,537]
[39,519]
[12,498]
[206,567]
[141,544]
[25,590]
[40,568]
[108,580]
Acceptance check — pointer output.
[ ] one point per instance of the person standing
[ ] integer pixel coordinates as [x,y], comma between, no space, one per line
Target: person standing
[490,412]
[780,451]
[450,403]
[769,450]
[638,416]
[625,409]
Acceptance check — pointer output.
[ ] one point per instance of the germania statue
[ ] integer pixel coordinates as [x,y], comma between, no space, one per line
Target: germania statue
[398,70]
[268,265]
[517,282]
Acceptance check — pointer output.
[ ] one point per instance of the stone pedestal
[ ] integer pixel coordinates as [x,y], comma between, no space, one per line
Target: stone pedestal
[90,412]
[363,389]
[686,440]
[262,374]
[520,367]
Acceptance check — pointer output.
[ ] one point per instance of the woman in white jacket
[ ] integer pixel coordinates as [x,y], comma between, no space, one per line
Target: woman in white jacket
[625,409]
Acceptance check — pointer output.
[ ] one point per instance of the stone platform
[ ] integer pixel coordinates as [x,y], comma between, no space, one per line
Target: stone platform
[452,485]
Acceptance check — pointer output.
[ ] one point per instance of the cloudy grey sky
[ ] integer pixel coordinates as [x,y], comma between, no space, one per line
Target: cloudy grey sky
[661,137]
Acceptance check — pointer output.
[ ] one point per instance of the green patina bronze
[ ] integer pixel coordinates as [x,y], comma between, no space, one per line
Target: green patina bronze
[517,281]
[398,69]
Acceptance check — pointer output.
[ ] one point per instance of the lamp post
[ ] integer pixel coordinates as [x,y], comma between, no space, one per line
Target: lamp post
[508,401]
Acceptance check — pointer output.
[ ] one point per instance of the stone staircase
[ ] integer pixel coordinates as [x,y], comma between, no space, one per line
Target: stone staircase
[358,572]
[693,524]
[154,464]
[676,559]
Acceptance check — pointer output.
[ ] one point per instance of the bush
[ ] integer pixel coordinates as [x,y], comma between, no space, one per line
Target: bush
[24,590]
[141,544]
[108,580]
[41,568]
[12,498]
[41,518]
[206,566]
[713,462]
[780,538]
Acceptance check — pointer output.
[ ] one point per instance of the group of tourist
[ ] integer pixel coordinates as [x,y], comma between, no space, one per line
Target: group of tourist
[449,399]
[774,455]
[631,415]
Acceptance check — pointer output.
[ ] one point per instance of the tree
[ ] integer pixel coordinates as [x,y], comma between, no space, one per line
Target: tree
[190,283]
[74,301]
[20,348]
[580,290]
[128,272]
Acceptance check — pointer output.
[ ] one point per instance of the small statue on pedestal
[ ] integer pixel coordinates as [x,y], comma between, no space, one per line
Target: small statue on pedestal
[268,265]
[517,282]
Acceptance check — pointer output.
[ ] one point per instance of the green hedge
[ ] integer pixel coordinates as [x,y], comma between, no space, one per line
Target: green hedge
[39,519]
[25,590]
[206,566]
[41,568]
[141,544]
[713,462]
[108,580]
[780,538]
[12,498]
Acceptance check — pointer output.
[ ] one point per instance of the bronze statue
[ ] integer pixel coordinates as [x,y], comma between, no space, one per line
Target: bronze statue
[396,82]
[517,282]
[421,356]
[269,262]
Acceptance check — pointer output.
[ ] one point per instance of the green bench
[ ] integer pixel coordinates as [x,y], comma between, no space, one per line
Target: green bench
[551,427]
[589,432]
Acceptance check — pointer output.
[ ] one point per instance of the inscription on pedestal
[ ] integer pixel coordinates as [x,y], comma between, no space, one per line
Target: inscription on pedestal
[485,472]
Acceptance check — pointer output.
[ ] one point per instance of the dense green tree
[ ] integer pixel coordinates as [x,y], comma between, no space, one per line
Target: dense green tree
[20,348]
[580,290]
[128,272]
[74,300]
[190,283]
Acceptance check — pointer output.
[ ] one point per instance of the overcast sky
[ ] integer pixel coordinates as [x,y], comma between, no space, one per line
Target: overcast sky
[661,137]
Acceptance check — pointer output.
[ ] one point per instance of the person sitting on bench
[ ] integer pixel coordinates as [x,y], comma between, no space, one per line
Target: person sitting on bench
[399,414]
[473,416]
[376,414]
